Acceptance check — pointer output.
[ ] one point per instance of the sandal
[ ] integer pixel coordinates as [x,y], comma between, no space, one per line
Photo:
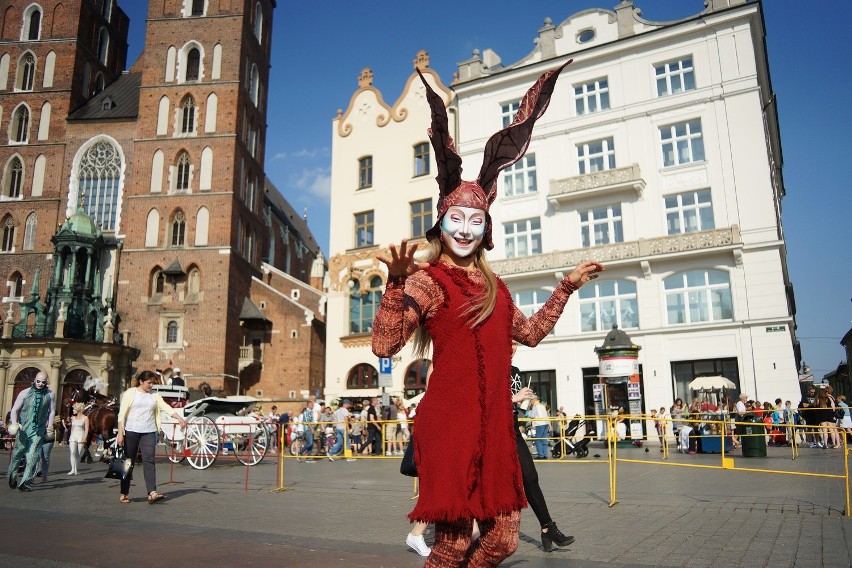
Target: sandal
[153,497]
[124,499]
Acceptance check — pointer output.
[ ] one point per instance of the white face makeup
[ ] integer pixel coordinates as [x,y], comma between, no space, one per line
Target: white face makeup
[462,230]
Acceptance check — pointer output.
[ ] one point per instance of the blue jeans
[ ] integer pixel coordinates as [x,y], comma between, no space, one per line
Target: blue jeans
[541,444]
[338,445]
[309,441]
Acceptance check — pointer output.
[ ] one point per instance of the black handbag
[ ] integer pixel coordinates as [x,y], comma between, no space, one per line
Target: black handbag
[407,465]
[120,467]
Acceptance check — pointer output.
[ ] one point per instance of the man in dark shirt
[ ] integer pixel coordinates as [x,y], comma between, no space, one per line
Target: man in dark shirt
[808,416]
[374,435]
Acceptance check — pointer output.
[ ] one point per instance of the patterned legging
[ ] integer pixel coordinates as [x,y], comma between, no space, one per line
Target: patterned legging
[498,540]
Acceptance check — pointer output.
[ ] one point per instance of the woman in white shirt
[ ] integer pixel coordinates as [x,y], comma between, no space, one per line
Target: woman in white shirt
[138,428]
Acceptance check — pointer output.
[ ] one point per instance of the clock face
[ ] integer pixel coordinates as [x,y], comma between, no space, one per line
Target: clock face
[515,383]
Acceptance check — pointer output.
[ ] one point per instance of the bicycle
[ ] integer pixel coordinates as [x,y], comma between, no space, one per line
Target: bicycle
[297,441]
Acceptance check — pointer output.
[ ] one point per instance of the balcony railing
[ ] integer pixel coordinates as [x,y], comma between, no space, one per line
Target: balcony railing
[598,183]
[250,355]
[643,249]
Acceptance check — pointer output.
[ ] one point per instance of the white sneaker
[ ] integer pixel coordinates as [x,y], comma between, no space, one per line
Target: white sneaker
[418,544]
[387,453]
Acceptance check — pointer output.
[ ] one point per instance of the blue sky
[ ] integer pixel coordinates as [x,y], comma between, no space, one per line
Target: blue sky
[320,47]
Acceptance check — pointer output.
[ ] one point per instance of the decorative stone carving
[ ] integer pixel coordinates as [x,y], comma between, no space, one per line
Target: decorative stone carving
[682,180]
[610,181]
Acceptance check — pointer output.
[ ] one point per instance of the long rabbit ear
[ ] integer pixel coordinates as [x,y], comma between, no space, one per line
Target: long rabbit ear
[510,144]
[449,162]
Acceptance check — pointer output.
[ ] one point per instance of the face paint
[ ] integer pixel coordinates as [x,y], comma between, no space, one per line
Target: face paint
[40,383]
[462,230]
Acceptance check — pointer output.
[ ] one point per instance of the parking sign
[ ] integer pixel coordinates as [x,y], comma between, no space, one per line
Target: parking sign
[385,365]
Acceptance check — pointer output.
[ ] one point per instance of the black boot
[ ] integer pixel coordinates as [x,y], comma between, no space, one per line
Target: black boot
[554,536]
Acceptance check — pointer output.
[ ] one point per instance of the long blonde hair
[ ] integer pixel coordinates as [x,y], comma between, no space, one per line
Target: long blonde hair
[477,312]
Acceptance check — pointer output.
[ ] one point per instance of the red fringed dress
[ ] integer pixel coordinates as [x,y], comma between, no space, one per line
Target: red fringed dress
[465,448]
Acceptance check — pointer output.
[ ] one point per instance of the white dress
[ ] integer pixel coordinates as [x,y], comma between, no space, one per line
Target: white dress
[78,430]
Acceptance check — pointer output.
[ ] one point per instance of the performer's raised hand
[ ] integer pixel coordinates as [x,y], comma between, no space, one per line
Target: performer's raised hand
[589,270]
[402,263]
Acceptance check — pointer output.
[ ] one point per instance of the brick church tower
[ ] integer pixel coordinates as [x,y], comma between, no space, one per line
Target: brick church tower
[201,131]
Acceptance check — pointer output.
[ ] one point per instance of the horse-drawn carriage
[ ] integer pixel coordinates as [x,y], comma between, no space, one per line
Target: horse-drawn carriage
[214,425]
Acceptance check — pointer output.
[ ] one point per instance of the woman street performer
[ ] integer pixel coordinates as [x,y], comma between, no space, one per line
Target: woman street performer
[454,302]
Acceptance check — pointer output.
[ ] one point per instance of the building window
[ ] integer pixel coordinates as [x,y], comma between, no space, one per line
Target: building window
[32,24]
[258,21]
[107,103]
[103,46]
[601,226]
[16,290]
[363,376]
[520,177]
[508,112]
[684,372]
[8,244]
[20,125]
[421,159]
[596,156]
[608,303]
[197,8]
[187,116]
[698,296]
[689,212]
[26,72]
[30,232]
[421,218]
[98,184]
[14,178]
[158,282]
[193,64]
[364,229]
[183,169]
[674,77]
[254,85]
[172,330]
[363,304]
[591,97]
[178,230]
[682,143]
[415,377]
[522,238]
[530,301]
[365,172]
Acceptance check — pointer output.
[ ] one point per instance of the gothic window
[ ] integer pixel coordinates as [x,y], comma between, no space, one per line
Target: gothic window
[99,175]
[172,332]
[103,45]
[178,230]
[197,8]
[158,282]
[183,167]
[99,86]
[32,23]
[258,21]
[19,127]
[8,244]
[255,84]
[187,120]
[194,281]
[14,178]
[30,232]
[26,72]
[16,290]
[193,64]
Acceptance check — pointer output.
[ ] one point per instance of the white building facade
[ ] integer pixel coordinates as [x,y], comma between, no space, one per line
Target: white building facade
[659,156]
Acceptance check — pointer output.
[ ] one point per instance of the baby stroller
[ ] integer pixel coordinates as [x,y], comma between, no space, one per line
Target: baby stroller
[580,448]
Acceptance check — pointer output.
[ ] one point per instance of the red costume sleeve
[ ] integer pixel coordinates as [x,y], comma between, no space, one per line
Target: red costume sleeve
[406,304]
[529,331]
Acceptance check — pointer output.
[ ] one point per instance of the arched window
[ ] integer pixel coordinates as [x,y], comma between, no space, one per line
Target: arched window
[26,72]
[32,24]
[363,304]
[14,178]
[187,115]
[254,86]
[698,296]
[8,244]
[178,230]
[258,21]
[99,83]
[172,332]
[30,232]
[415,377]
[103,45]
[202,223]
[193,281]
[99,176]
[210,110]
[607,303]
[183,169]
[193,65]
[152,228]
[158,282]
[17,288]
[363,376]
[19,126]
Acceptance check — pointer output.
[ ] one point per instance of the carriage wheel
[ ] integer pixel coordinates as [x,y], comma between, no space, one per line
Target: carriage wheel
[176,453]
[202,442]
[249,448]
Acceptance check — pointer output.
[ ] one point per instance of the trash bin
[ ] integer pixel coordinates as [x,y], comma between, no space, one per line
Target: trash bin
[752,436]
